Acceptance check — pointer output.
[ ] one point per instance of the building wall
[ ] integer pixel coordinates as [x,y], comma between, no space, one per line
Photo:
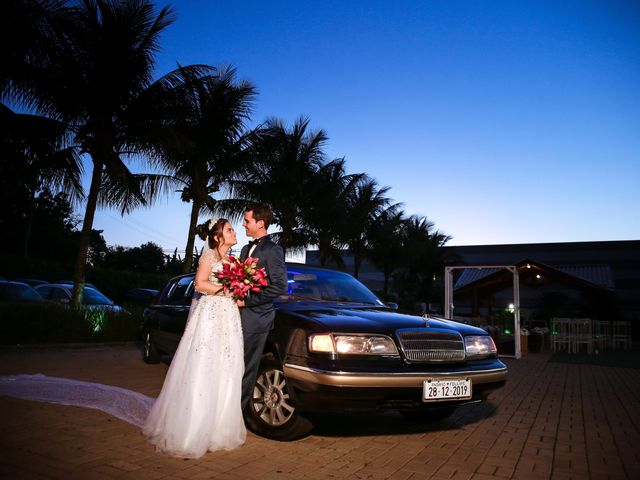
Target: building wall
[623,257]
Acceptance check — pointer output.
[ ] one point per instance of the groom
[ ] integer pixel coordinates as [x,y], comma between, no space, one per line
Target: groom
[258,312]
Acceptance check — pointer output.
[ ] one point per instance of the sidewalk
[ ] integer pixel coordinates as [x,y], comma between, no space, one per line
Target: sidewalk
[551,420]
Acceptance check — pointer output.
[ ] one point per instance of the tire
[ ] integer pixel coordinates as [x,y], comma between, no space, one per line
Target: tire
[150,353]
[271,413]
[429,416]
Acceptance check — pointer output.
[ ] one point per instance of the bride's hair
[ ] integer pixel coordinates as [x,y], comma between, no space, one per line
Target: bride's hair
[211,232]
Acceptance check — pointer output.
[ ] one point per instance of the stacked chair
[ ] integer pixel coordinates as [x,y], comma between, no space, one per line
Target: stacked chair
[621,337]
[602,334]
[561,334]
[582,334]
[574,335]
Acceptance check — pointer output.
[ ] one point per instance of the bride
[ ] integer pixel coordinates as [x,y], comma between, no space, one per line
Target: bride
[199,409]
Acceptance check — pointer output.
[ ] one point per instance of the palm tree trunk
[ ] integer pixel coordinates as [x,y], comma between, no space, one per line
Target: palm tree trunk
[337,257]
[323,252]
[85,235]
[191,239]
[357,260]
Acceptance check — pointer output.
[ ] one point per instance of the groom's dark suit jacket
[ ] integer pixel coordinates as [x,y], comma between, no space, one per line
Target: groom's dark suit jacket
[259,311]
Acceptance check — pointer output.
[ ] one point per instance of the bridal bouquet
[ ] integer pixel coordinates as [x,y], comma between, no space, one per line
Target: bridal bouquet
[241,277]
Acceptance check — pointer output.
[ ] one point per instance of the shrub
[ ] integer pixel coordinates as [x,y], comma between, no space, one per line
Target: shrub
[25,323]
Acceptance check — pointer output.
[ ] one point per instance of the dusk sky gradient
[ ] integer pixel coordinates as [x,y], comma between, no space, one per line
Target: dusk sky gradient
[501,121]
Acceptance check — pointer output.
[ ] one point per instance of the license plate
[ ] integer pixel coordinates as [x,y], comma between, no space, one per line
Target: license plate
[450,389]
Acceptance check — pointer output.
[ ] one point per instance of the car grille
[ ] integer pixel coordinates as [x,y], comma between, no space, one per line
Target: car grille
[431,346]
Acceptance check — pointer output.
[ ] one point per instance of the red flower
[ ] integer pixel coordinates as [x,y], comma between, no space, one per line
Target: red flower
[240,277]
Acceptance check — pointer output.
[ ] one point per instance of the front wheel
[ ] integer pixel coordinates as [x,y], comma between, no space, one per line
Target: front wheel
[271,412]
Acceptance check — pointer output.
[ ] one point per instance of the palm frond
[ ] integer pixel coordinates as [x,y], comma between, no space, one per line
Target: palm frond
[154,186]
[40,148]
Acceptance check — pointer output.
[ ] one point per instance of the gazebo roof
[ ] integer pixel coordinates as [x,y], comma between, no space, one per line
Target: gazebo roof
[595,276]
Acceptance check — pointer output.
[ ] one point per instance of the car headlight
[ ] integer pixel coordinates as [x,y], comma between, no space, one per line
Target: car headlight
[352,344]
[479,346]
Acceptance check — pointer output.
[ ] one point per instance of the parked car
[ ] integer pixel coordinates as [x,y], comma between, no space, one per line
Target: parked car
[34,282]
[140,295]
[336,347]
[18,292]
[71,282]
[91,298]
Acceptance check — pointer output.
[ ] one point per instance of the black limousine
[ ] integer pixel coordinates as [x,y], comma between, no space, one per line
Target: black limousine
[336,347]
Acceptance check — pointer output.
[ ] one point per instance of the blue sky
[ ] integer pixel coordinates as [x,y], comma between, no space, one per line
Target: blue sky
[501,121]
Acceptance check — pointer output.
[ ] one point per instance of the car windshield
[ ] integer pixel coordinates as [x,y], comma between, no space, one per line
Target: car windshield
[327,285]
[13,291]
[94,297]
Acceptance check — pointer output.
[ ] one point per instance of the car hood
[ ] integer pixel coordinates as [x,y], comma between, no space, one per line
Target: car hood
[373,320]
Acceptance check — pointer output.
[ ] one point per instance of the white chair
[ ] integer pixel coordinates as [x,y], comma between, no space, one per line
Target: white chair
[602,334]
[582,329]
[621,337]
[561,334]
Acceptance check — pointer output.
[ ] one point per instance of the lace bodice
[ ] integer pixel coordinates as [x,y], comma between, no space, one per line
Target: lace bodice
[216,264]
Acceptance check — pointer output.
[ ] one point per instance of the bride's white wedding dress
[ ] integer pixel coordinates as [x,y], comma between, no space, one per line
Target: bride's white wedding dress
[198,409]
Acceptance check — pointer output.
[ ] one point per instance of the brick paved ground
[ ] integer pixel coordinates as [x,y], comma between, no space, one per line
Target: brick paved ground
[552,420]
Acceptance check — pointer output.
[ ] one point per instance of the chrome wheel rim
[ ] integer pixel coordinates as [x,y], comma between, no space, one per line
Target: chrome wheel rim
[147,344]
[271,400]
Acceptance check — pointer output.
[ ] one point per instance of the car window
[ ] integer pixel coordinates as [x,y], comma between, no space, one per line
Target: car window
[29,294]
[12,291]
[94,297]
[59,294]
[168,288]
[328,285]
[180,292]
[45,292]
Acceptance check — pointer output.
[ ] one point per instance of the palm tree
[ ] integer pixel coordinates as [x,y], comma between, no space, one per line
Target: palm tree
[212,142]
[325,210]
[25,26]
[35,153]
[92,69]
[425,259]
[385,241]
[364,206]
[286,160]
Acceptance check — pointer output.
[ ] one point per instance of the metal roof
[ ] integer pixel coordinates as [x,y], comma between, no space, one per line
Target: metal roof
[470,275]
[598,274]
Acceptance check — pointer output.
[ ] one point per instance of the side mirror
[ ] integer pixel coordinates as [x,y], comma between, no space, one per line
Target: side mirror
[392,305]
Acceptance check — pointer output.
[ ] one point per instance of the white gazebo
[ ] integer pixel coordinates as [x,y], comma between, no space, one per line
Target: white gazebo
[448,296]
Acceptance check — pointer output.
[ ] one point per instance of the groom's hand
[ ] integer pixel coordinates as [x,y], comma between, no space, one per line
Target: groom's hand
[240,303]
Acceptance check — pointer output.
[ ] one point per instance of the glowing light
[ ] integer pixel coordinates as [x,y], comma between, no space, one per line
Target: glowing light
[322,343]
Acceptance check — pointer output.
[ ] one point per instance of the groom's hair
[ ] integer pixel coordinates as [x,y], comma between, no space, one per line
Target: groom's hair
[261,211]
